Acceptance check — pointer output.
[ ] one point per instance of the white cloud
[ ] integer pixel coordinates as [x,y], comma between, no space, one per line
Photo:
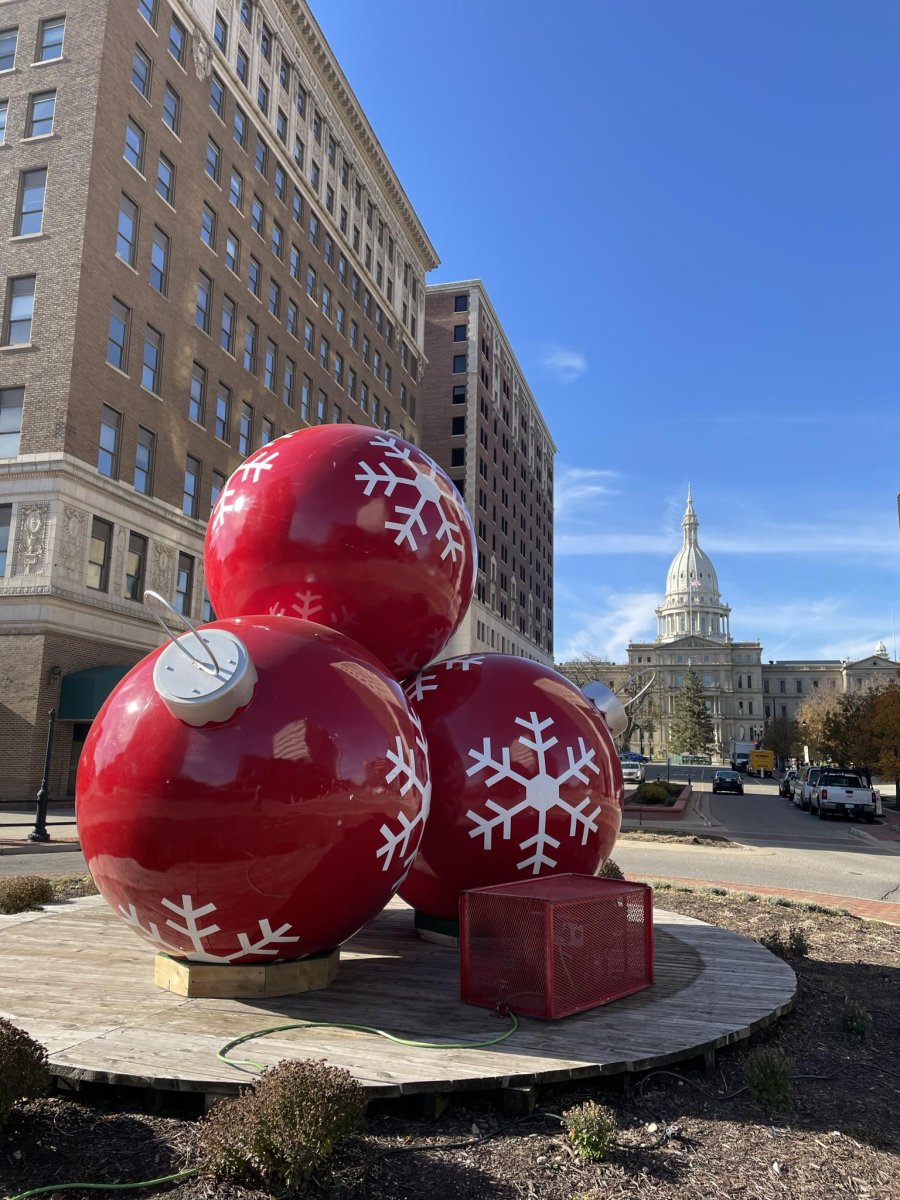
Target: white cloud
[605,629]
[576,487]
[565,364]
[795,540]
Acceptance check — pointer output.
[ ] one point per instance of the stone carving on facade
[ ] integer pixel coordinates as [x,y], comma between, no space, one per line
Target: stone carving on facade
[118,562]
[163,566]
[72,533]
[202,55]
[32,539]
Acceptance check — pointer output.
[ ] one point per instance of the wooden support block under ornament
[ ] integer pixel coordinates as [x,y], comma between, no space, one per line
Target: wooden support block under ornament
[441,931]
[260,981]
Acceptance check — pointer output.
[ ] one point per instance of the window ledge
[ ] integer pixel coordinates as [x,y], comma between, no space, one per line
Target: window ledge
[47,62]
[39,137]
[118,370]
[28,237]
[18,346]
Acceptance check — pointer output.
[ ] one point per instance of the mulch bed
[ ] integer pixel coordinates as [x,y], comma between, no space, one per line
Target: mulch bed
[840,1139]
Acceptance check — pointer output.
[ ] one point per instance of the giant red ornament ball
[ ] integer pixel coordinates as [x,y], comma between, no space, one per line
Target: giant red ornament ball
[526,779]
[274,833]
[349,527]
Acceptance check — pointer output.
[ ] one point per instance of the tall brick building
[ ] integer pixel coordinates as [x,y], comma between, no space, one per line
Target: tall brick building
[203,247]
[480,421]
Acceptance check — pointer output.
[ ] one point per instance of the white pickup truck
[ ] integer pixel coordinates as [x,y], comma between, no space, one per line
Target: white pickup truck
[842,792]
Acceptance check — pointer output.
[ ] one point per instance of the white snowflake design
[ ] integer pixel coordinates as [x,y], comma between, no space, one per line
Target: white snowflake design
[252,469]
[267,942]
[427,681]
[403,760]
[542,793]
[424,480]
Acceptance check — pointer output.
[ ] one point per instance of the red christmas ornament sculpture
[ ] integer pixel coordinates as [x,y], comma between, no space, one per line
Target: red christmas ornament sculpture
[525,775]
[351,528]
[262,805]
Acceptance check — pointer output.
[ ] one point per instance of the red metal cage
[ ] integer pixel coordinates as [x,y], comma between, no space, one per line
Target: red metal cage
[555,946]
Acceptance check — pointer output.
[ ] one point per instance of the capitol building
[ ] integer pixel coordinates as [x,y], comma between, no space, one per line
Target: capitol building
[744,693]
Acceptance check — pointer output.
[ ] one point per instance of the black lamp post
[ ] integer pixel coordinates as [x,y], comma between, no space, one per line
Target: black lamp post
[39,833]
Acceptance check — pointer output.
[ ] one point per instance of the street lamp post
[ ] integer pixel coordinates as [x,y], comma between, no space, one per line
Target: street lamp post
[39,833]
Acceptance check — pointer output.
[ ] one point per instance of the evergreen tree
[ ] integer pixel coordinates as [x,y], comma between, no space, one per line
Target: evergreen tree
[692,726]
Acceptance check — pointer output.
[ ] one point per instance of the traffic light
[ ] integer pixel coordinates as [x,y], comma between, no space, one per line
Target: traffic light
[756,744]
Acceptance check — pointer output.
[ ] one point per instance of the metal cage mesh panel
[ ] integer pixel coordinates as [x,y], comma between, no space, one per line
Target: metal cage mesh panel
[555,946]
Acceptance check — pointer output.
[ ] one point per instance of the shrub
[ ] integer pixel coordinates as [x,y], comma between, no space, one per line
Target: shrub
[611,870]
[655,791]
[277,1133]
[23,1068]
[767,1075]
[19,893]
[855,1020]
[787,943]
[591,1128]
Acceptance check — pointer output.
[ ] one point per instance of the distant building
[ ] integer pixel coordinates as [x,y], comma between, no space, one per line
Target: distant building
[743,692]
[481,422]
[204,246]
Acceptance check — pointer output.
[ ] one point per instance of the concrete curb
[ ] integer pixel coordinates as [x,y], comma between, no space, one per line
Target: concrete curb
[38,847]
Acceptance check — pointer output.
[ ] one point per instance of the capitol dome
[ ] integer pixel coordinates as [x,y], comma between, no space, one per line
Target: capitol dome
[693,603]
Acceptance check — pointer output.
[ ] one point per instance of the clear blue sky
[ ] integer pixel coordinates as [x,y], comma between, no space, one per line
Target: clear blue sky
[687,214]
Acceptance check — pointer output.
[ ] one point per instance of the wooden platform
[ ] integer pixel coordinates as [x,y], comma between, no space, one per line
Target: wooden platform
[80,981]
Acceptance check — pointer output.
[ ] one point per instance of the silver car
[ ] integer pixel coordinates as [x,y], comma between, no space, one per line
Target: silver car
[632,772]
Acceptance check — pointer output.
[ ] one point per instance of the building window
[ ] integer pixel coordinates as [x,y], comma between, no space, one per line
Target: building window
[226,339]
[458,456]
[324,350]
[213,163]
[220,32]
[281,125]
[254,276]
[242,66]
[233,253]
[262,98]
[293,318]
[246,14]
[148,9]
[50,39]
[177,41]
[270,368]
[461,303]
[311,282]
[279,182]
[257,215]
[117,342]
[11,400]
[236,190]
[203,310]
[265,42]
[305,395]
[782,686]
[159,261]
[299,151]
[274,298]
[208,226]
[184,584]
[459,364]
[126,230]
[19,311]
[217,96]
[8,40]
[197,394]
[216,488]
[223,412]
[32,192]
[141,71]
[135,567]
[459,333]
[245,429]
[458,426]
[290,374]
[309,335]
[250,342]
[799,687]
[41,107]
[171,109]
[314,229]
[151,370]
[326,302]
[4,113]
[339,369]
[165,179]
[99,555]
[321,408]
[143,461]
[262,156]
[240,127]
[277,240]
[190,497]
[134,145]
[5,520]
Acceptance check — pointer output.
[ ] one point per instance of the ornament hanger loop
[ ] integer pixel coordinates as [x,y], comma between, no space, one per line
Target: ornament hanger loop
[154,602]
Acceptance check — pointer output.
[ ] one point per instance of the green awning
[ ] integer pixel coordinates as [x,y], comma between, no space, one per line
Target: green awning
[83,692]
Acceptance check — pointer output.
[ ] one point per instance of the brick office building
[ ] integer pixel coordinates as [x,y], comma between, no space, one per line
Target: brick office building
[203,247]
[480,421]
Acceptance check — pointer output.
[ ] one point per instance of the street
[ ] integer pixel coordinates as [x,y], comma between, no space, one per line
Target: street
[778,845]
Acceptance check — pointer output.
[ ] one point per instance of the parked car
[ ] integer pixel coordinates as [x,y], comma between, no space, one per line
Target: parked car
[804,784]
[632,772]
[842,793]
[786,787]
[728,781]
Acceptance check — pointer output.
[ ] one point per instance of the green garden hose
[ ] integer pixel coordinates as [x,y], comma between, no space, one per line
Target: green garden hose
[105,1187]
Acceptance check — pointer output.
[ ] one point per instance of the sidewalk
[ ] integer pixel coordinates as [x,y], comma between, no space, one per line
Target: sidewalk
[869,910]
[17,821]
